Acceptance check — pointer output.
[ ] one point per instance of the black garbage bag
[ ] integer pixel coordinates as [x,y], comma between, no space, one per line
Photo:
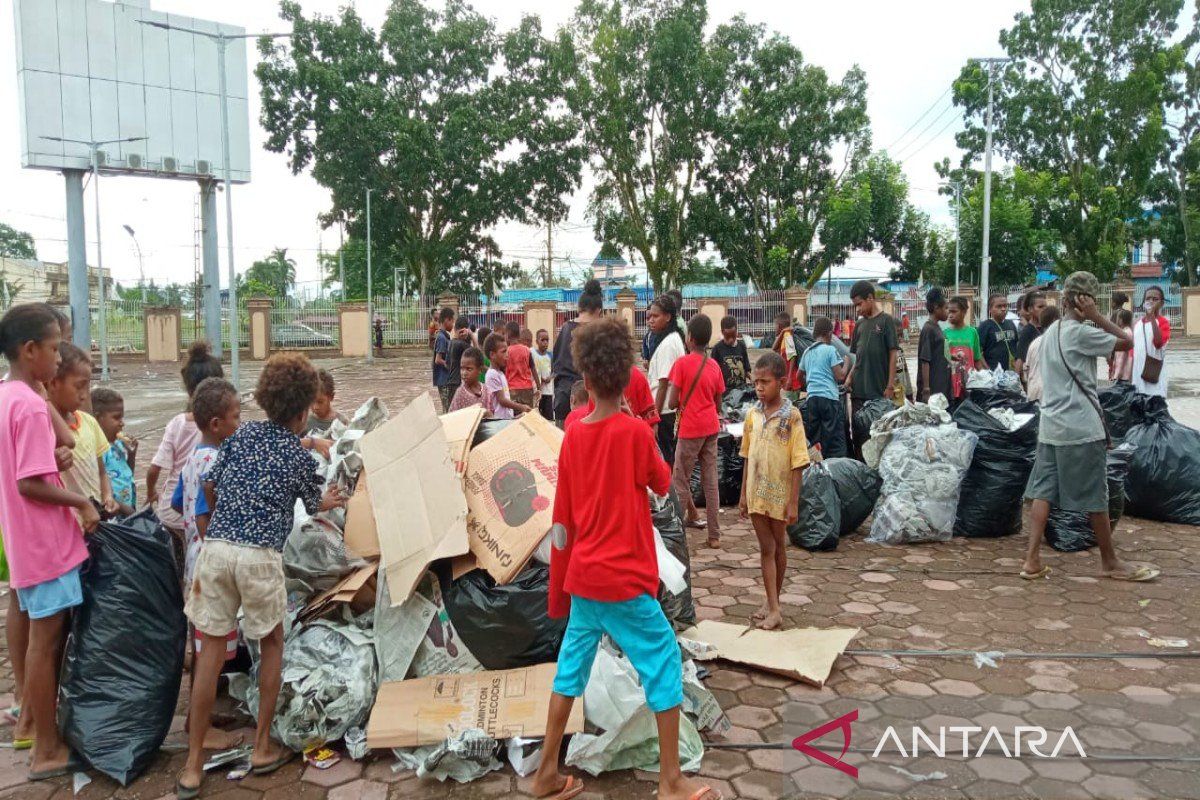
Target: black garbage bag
[730,465]
[489,428]
[667,516]
[507,626]
[1117,402]
[124,656]
[803,338]
[1071,531]
[820,520]
[1164,476]
[998,398]
[735,399]
[857,487]
[866,416]
[989,502]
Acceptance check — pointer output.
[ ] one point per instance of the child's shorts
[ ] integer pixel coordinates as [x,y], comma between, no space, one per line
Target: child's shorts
[640,629]
[1071,477]
[229,576]
[50,597]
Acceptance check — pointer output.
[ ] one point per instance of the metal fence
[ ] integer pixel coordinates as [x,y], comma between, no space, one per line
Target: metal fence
[299,326]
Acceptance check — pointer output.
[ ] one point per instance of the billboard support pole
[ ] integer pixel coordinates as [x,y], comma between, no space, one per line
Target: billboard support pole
[210,256]
[77,275]
[233,304]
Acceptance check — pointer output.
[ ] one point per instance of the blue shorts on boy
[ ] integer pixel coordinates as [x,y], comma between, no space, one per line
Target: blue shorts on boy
[640,629]
[50,597]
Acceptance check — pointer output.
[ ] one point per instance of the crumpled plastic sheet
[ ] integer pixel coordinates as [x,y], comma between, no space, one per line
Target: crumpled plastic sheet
[315,557]
[464,757]
[356,743]
[525,755]
[346,462]
[987,658]
[1002,379]
[1009,418]
[615,704]
[935,412]
[922,471]
[328,684]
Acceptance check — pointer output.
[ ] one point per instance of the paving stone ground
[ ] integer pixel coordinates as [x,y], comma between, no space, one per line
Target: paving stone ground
[958,595]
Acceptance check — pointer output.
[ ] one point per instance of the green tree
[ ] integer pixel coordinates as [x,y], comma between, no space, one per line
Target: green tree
[646,91]
[1080,108]
[15,243]
[1176,188]
[786,138]
[453,125]
[273,276]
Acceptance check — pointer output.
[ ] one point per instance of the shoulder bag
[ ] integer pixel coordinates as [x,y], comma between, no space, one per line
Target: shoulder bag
[683,401]
[1095,403]
[1152,369]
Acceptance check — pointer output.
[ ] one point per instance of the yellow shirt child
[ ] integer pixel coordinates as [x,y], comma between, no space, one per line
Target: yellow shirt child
[772,447]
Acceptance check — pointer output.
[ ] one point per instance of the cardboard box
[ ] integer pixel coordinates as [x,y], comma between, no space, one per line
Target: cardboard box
[510,484]
[503,704]
[805,654]
[459,428]
[417,499]
[357,588]
[361,535]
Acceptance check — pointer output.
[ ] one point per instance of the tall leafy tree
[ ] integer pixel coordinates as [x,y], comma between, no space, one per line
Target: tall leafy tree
[786,138]
[1081,109]
[274,275]
[646,91]
[455,126]
[1177,187]
[15,243]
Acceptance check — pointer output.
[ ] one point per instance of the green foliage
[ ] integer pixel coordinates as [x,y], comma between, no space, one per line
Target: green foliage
[273,276]
[786,138]
[15,243]
[1176,187]
[646,90]
[1080,109]
[454,125]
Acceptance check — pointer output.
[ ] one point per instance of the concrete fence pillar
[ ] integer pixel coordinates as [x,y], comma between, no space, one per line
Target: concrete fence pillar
[715,308]
[447,301]
[795,302]
[1125,286]
[626,309]
[1054,297]
[541,315]
[259,309]
[354,330]
[164,334]
[1191,310]
[970,293]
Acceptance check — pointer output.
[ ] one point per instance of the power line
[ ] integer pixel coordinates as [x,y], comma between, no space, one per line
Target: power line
[899,153]
[930,140]
[918,121]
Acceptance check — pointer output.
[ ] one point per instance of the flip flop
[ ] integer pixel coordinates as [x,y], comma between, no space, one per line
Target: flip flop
[572,788]
[22,744]
[1140,575]
[695,524]
[186,792]
[267,769]
[706,792]
[1044,572]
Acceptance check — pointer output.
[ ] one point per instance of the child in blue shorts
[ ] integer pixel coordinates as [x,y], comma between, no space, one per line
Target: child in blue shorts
[603,569]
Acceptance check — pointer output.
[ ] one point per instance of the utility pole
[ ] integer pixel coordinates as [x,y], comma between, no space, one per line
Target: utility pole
[141,264]
[549,276]
[370,297]
[985,263]
[342,257]
[957,236]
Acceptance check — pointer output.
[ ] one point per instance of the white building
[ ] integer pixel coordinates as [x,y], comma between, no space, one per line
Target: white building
[24,280]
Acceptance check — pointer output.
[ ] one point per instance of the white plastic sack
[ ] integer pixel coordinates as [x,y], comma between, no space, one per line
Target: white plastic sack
[671,571]
[464,757]
[922,469]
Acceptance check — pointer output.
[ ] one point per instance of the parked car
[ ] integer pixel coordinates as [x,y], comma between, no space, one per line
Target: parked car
[295,334]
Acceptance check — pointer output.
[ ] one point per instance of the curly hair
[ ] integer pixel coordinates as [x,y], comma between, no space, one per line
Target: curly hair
[200,364]
[105,401]
[71,358]
[327,384]
[287,387]
[603,352]
[212,399]
[772,362]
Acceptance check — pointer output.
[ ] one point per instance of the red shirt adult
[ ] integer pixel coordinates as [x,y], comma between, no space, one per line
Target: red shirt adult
[604,469]
[520,367]
[700,418]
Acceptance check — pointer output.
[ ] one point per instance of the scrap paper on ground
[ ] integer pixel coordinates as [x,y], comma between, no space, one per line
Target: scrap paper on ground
[806,654]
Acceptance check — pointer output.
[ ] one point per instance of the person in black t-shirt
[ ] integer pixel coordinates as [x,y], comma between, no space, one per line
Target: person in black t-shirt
[933,370]
[997,335]
[731,355]
[1035,303]
[459,342]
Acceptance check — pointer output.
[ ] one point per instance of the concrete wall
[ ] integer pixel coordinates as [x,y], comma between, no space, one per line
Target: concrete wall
[163,335]
[354,329]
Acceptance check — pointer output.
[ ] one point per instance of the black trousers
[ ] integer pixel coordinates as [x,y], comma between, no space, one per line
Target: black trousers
[546,406]
[562,399]
[825,424]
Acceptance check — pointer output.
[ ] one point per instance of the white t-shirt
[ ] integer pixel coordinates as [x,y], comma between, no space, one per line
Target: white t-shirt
[669,351]
[495,385]
[1143,345]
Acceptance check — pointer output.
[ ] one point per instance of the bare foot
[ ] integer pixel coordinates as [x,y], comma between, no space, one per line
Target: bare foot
[190,778]
[553,784]
[761,613]
[714,544]
[217,739]
[43,761]
[771,621]
[685,789]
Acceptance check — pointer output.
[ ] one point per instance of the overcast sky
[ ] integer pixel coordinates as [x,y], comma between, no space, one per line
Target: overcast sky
[910,52]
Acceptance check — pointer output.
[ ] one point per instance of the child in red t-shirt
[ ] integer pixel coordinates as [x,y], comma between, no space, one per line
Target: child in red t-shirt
[605,572]
[696,387]
[520,368]
[581,405]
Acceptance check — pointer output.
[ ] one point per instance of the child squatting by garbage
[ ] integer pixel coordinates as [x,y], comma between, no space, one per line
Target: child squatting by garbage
[603,569]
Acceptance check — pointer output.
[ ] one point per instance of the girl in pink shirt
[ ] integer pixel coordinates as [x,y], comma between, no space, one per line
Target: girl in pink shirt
[42,539]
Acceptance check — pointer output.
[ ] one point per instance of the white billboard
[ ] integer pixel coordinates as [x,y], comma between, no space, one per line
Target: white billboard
[91,70]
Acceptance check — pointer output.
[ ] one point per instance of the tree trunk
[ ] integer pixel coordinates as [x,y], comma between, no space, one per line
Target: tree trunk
[1189,261]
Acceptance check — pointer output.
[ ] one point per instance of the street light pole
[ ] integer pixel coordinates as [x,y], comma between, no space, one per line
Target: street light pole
[370,296]
[141,264]
[222,39]
[101,311]
[957,235]
[984,272]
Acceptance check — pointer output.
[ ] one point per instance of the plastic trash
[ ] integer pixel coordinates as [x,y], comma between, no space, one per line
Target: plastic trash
[922,471]
[315,557]
[328,684]
[464,757]
[1164,476]
[734,402]
[356,743]
[1071,531]
[866,416]
[124,656]
[820,522]
[489,428]
[730,466]
[667,517]
[990,500]
[1117,402]
[525,755]
[857,487]
[504,626]
[932,413]
[615,704]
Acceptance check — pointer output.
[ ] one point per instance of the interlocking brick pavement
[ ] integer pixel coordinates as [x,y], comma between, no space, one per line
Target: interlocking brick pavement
[963,594]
